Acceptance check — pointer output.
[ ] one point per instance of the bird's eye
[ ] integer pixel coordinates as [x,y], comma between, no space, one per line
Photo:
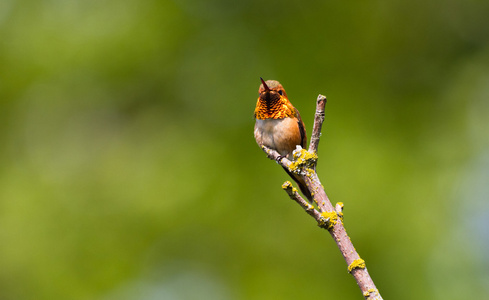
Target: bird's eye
[281,92]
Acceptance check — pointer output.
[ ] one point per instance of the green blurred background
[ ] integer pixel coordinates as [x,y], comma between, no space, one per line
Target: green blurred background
[128,167]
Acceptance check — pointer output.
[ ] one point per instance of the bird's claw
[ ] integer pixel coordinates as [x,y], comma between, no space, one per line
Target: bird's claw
[280,157]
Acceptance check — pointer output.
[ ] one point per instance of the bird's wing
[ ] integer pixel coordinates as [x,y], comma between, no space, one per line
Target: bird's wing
[302,129]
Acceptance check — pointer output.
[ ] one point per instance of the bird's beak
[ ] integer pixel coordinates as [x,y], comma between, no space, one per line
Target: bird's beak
[265,85]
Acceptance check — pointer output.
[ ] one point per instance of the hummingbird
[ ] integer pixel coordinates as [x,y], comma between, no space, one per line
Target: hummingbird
[279,125]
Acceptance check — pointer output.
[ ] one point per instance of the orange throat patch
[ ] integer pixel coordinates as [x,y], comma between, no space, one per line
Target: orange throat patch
[274,109]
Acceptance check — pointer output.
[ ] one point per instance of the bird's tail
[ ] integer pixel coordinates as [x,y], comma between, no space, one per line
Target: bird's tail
[302,185]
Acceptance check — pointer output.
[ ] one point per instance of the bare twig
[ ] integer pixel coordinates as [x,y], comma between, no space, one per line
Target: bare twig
[318,123]
[294,195]
[328,217]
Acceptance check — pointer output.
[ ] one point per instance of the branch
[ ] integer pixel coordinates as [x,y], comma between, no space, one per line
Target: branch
[294,195]
[327,217]
[318,123]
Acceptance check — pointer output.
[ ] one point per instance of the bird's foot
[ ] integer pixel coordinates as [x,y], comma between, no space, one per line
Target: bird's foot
[280,157]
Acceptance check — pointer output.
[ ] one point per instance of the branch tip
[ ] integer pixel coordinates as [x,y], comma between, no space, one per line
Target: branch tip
[321,100]
[286,185]
[339,209]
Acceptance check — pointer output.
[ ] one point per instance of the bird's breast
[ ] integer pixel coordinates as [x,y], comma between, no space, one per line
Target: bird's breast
[280,134]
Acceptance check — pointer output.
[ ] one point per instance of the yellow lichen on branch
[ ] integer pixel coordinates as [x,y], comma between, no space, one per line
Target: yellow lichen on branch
[288,185]
[356,264]
[330,218]
[302,159]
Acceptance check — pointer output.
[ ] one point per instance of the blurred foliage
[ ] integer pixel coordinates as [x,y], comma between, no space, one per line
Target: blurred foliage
[128,168]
